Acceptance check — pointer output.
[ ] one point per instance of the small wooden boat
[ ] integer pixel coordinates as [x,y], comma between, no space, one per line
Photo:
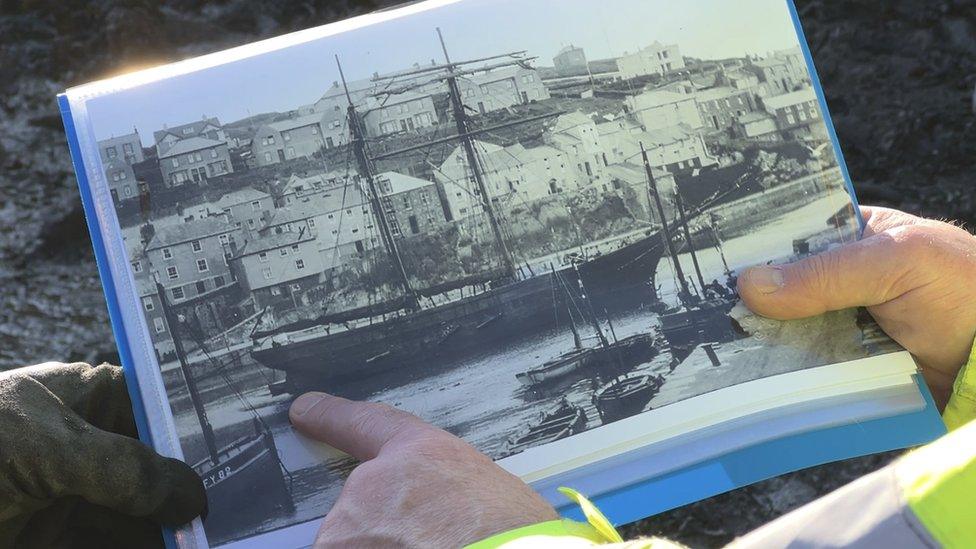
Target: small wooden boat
[626,396]
[560,422]
[560,366]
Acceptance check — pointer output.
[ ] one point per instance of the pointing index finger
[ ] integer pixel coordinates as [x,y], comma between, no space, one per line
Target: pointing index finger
[360,429]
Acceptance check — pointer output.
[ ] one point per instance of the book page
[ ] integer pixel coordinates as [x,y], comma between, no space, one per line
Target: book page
[521,221]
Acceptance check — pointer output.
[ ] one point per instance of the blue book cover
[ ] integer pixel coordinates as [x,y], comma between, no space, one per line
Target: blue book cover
[524,230]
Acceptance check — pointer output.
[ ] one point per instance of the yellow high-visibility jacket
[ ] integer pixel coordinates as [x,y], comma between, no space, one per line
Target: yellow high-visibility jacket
[924,500]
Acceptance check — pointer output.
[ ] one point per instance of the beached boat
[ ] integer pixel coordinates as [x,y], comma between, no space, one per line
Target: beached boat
[559,422]
[626,396]
[563,365]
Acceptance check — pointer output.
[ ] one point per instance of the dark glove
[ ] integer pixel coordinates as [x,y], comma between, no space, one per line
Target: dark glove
[72,473]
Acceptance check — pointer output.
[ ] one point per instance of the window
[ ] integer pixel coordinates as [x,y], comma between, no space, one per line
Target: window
[176,162]
[267,157]
[294,247]
[202,266]
[122,175]
[275,290]
[267,273]
[147,302]
[291,152]
[197,157]
[263,257]
[789,118]
[218,281]
[311,223]
[255,206]
[315,130]
[299,264]
[127,190]
[111,152]
[178,293]
[137,266]
[296,287]
[283,252]
[172,272]
[224,238]
[158,324]
[197,247]
[213,153]
[286,136]
[803,114]
[201,287]
[814,114]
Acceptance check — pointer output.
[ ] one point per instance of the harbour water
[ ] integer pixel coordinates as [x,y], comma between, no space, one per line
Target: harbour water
[479,399]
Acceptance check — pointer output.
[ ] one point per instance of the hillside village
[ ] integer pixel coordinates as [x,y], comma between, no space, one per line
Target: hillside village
[232,219]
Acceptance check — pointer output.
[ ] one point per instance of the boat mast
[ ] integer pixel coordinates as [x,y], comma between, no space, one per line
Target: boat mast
[461,119]
[586,299]
[358,134]
[691,247]
[718,243]
[652,190]
[206,428]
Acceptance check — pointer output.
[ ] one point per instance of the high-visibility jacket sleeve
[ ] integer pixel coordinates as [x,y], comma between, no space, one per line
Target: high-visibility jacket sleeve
[961,408]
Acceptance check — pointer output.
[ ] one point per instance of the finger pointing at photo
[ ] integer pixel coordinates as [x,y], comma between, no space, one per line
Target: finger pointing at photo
[398,495]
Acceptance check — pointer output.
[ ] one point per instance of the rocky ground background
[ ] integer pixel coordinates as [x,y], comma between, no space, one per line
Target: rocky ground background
[899,80]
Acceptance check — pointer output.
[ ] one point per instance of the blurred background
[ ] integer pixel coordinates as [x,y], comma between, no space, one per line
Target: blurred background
[899,79]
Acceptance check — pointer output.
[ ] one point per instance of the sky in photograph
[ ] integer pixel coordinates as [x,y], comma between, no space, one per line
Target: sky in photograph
[285,79]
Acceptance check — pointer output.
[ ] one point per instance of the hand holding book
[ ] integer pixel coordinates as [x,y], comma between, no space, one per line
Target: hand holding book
[913,275]
[73,473]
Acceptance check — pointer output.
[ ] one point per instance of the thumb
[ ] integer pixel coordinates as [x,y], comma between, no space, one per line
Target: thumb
[862,274]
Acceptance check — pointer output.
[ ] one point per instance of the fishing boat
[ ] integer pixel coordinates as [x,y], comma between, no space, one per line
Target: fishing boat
[557,423]
[246,470]
[626,396]
[565,364]
[702,315]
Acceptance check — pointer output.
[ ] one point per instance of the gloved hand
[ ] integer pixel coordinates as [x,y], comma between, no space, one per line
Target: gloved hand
[71,472]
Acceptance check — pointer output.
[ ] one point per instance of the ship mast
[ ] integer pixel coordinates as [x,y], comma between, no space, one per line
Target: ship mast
[652,190]
[691,248]
[205,427]
[461,119]
[358,134]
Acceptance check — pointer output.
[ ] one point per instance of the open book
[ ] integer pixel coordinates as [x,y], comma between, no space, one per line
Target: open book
[521,220]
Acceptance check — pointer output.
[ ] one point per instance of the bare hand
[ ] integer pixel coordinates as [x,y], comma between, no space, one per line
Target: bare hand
[418,486]
[917,278]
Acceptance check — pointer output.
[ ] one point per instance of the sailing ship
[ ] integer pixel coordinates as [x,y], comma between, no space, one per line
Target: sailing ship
[236,472]
[508,302]
[626,396]
[559,422]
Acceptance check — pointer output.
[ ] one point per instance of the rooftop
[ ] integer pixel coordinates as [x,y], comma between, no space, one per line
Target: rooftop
[274,241]
[777,102]
[241,196]
[296,122]
[394,183]
[194,127]
[190,145]
[185,232]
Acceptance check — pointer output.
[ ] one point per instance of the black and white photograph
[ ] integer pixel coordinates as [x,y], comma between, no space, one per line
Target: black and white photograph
[519,220]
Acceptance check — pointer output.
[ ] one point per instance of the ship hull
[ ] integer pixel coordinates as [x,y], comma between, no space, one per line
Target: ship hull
[467,326]
[708,322]
[247,469]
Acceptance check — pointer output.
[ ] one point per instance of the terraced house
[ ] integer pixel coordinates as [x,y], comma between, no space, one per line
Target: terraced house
[298,137]
[190,259]
[194,161]
[118,155]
